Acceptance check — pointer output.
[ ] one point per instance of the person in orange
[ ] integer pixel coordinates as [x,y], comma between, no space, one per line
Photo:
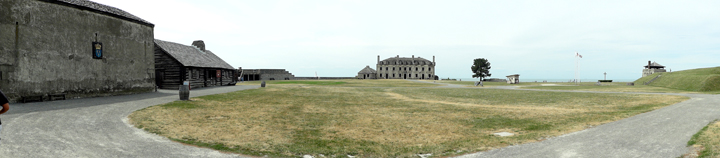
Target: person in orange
[5,106]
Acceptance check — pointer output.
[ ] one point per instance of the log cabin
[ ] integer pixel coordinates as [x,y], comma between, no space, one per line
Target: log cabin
[176,63]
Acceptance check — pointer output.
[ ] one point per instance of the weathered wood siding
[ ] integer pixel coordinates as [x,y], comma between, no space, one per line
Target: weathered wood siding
[169,70]
[174,73]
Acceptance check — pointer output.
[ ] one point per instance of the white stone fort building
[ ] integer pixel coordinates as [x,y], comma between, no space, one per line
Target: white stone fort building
[401,68]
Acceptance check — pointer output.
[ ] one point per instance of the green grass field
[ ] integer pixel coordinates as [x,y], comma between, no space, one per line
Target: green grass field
[382,118]
[491,84]
[344,83]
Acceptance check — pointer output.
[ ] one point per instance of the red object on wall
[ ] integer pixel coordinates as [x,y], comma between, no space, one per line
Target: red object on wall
[217,73]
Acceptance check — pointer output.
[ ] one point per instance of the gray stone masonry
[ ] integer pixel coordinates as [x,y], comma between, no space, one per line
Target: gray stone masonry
[46,48]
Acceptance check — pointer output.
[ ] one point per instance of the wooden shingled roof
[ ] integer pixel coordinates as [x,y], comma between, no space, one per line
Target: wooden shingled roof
[192,56]
[101,8]
[654,65]
[367,70]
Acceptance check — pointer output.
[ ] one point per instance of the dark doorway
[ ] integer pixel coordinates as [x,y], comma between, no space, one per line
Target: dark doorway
[159,77]
[206,78]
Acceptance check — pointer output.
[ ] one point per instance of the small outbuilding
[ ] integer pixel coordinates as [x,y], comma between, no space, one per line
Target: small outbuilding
[513,79]
[176,63]
[367,73]
[652,68]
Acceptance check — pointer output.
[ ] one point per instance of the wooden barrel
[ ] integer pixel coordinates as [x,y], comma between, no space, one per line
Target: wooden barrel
[184,92]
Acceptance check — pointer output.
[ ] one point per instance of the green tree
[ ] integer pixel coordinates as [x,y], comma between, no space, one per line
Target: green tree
[481,68]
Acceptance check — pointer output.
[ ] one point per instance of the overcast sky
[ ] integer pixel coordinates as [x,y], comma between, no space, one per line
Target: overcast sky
[536,39]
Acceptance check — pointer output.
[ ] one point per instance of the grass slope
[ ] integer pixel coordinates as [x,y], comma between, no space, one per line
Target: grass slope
[699,80]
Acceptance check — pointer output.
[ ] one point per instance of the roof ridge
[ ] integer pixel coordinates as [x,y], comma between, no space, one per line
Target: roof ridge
[191,56]
[102,8]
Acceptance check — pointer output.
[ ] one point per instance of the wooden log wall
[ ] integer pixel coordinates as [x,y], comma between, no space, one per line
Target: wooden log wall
[170,68]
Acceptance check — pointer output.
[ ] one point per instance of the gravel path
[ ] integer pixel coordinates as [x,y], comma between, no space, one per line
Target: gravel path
[659,133]
[94,127]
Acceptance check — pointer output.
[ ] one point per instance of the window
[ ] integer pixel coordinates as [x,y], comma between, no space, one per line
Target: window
[429,69]
[416,68]
[415,75]
[380,75]
[423,69]
[393,68]
[393,75]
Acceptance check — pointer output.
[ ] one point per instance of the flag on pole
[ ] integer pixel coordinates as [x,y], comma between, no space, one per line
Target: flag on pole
[578,55]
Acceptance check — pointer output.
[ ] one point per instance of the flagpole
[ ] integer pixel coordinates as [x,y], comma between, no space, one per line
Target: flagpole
[577,67]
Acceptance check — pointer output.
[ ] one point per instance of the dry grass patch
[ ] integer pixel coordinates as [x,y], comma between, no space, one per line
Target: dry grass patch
[284,120]
[707,140]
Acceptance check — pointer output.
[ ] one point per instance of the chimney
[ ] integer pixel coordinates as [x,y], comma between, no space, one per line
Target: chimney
[398,56]
[648,63]
[378,58]
[413,56]
[199,44]
[433,60]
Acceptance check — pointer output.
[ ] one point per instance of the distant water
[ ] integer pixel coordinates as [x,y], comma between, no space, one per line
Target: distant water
[552,80]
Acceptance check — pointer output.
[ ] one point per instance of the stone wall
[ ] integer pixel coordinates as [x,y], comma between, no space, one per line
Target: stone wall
[267,74]
[405,71]
[648,72]
[46,48]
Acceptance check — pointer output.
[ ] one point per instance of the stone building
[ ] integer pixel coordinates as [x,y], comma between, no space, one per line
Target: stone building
[406,68]
[75,48]
[266,74]
[176,63]
[652,68]
[367,73]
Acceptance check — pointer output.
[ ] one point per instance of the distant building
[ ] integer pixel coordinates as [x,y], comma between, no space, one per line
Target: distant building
[367,73]
[406,68]
[513,79]
[176,63]
[652,68]
[266,74]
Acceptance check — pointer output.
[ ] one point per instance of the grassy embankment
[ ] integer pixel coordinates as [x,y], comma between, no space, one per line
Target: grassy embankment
[698,80]
[707,139]
[382,118]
